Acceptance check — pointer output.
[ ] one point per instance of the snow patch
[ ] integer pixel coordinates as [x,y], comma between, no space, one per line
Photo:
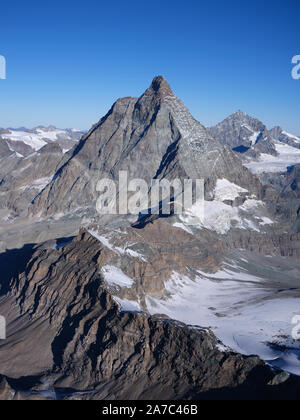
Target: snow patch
[243,314]
[220,217]
[39,137]
[287,156]
[118,250]
[102,239]
[183,227]
[114,276]
[254,137]
[126,305]
[297,139]
[38,184]
[226,190]
[33,140]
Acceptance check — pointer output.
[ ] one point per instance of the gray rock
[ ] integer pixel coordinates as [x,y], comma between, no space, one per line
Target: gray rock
[24,178]
[4,149]
[279,134]
[244,134]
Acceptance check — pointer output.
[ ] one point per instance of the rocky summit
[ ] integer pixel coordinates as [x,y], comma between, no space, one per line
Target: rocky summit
[151,137]
[150,306]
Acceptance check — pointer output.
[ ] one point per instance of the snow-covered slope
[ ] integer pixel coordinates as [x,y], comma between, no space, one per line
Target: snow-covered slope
[33,140]
[231,207]
[245,314]
[292,136]
[38,137]
[287,156]
[284,137]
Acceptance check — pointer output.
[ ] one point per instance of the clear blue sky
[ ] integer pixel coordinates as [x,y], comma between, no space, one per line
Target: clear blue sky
[67,62]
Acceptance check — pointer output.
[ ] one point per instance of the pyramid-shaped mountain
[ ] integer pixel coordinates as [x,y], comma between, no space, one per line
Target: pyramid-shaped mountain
[153,136]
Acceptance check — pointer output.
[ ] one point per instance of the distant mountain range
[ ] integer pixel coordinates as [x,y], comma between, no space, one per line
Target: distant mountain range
[25,141]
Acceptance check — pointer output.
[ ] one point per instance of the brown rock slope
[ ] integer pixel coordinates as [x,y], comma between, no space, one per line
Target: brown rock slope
[68,339]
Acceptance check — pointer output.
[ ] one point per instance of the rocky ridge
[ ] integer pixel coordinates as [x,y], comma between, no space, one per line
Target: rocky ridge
[89,349]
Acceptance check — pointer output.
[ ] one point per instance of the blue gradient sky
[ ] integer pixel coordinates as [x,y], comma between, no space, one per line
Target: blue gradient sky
[67,62]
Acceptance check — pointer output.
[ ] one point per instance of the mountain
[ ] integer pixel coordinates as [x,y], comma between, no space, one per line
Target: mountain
[25,141]
[70,338]
[26,178]
[245,135]
[28,161]
[279,134]
[267,154]
[151,137]
[270,155]
[148,306]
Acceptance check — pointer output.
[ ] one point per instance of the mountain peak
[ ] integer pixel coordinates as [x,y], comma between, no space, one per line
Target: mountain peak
[239,113]
[160,86]
[244,133]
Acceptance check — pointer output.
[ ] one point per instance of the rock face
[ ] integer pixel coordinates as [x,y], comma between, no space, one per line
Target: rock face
[245,135]
[279,134]
[284,202]
[292,186]
[6,391]
[88,349]
[22,149]
[26,178]
[151,137]
[28,161]
[4,149]
[289,199]
[284,244]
